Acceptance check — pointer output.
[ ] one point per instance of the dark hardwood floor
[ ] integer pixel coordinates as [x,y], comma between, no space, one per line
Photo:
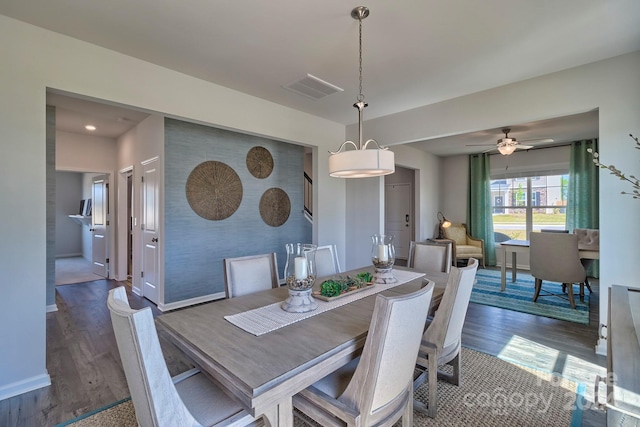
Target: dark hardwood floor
[86,374]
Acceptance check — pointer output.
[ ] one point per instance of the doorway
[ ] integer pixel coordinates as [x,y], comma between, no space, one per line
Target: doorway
[400,210]
[74,208]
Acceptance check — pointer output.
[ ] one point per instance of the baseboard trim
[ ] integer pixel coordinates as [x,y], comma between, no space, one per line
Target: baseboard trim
[601,346]
[192,301]
[51,308]
[24,386]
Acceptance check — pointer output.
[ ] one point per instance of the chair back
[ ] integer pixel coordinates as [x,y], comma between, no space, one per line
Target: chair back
[445,331]
[155,398]
[383,380]
[427,257]
[327,263]
[248,274]
[555,257]
[457,233]
[588,238]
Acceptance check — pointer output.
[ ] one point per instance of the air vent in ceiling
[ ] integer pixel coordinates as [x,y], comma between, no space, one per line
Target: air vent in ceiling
[312,87]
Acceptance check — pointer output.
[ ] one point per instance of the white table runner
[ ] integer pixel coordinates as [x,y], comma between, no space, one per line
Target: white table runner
[265,319]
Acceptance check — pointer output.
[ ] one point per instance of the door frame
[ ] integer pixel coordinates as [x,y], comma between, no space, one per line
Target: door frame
[122,223]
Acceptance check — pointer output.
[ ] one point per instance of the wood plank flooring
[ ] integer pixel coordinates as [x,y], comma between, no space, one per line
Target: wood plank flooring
[86,374]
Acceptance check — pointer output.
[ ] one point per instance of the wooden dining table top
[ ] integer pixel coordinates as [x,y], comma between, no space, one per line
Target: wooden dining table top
[264,372]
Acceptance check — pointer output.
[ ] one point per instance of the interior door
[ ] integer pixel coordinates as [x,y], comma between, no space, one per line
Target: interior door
[99,211]
[150,229]
[398,216]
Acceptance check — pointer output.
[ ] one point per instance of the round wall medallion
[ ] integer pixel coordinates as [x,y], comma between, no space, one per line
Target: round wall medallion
[259,162]
[214,190]
[275,207]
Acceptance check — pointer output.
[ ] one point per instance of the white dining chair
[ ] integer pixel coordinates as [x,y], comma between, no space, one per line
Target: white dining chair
[189,399]
[429,257]
[248,274]
[442,339]
[327,263]
[376,388]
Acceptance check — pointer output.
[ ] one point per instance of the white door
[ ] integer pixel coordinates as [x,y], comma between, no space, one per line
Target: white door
[398,216]
[99,211]
[150,229]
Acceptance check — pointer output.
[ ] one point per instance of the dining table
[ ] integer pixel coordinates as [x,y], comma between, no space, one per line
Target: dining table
[514,247]
[264,371]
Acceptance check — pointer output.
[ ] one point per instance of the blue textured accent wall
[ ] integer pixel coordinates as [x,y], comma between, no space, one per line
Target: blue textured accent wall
[194,247]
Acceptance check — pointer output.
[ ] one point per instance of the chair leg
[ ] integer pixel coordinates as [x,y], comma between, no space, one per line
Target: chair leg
[407,414]
[586,283]
[538,286]
[570,292]
[456,370]
[432,409]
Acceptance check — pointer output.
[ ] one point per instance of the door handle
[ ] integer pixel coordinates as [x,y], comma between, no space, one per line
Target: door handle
[406,217]
[154,240]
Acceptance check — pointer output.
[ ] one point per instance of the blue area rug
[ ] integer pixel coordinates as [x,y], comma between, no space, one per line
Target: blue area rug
[518,296]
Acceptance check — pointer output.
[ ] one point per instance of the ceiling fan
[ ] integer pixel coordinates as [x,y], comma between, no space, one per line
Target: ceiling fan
[507,145]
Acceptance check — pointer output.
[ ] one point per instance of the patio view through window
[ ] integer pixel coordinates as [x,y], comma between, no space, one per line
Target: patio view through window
[525,204]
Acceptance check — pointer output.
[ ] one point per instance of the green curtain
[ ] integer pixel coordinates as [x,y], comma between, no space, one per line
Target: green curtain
[582,192]
[479,211]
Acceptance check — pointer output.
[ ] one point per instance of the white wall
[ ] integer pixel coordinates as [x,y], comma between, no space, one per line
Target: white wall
[37,59]
[68,231]
[612,86]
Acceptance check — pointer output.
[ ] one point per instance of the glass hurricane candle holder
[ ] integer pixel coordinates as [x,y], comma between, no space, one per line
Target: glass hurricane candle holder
[300,275]
[383,255]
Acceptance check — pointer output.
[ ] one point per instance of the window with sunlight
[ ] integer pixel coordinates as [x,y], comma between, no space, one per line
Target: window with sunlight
[529,203]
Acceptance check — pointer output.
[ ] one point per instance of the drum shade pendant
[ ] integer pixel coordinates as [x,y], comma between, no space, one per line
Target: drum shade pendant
[361,161]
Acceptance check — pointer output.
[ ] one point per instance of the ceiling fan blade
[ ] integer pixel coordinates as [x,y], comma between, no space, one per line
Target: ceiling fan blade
[481,145]
[523,147]
[538,140]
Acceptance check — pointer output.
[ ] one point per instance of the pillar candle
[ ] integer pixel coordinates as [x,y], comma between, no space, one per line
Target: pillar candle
[382,253]
[300,268]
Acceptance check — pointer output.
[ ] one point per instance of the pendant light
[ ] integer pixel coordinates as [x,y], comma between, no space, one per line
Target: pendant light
[362,161]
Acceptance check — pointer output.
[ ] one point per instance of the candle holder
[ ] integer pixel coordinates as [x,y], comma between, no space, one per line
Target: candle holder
[383,255]
[300,275]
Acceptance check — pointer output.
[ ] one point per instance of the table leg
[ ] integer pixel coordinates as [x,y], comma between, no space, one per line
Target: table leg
[280,415]
[513,266]
[503,270]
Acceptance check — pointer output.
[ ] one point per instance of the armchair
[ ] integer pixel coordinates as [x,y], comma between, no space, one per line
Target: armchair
[464,246]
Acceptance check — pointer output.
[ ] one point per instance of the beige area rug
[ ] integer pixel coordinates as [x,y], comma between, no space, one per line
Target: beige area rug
[493,392]
[74,270]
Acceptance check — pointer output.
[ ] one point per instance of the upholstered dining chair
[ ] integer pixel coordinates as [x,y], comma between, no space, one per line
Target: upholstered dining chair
[464,246]
[376,388]
[248,274]
[555,257]
[441,341]
[588,239]
[427,256]
[327,263]
[189,399]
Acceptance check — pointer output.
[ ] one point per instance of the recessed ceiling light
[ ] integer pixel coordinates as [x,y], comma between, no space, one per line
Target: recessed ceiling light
[90,127]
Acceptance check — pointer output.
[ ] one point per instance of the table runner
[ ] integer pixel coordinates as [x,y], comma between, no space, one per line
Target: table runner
[262,320]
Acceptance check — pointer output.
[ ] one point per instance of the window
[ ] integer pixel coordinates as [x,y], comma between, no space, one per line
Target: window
[525,204]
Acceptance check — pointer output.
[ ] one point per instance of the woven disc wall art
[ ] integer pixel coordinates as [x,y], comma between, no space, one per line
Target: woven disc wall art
[214,190]
[275,207]
[259,162]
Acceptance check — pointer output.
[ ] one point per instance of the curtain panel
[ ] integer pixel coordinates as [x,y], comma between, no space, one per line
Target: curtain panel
[479,210]
[583,189]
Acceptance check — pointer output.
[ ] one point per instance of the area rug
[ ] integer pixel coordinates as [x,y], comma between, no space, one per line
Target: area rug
[493,392]
[518,296]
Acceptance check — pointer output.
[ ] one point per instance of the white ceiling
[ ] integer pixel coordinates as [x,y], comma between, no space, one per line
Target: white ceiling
[416,52]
